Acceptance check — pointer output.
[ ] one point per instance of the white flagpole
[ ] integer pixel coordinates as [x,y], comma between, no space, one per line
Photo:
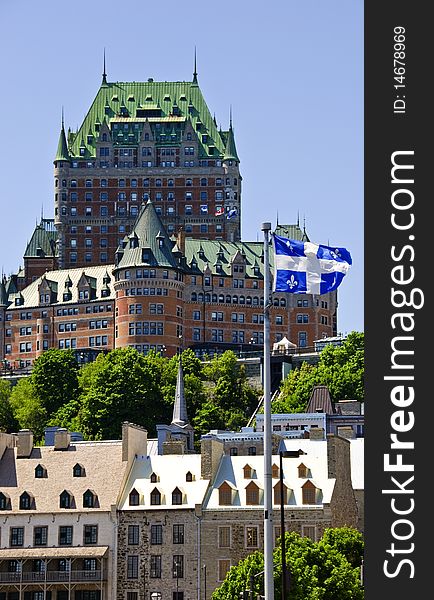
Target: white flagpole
[268,500]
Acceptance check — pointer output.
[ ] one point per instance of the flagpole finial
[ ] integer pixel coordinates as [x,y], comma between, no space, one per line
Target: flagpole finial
[298,218]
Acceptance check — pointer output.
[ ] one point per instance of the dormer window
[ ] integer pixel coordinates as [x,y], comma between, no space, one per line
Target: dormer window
[78,471]
[189,476]
[176,496]
[276,491]
[302,471]
[66,499]
[89,499]
[26,501]
[275,472]
[252,494]
[134,498]
[5,502]
[155,497]
[248,472]
[309,493]
[40,472]
[154,478]
[225,494]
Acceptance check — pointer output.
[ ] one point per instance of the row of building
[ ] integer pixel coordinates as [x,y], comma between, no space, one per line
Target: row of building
[142,519]
[145,247]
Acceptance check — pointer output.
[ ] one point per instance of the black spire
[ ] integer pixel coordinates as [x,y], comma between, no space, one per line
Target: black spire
[195,67]
[104,74]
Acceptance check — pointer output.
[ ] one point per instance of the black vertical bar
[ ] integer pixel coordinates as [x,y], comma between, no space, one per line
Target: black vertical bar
[398,125]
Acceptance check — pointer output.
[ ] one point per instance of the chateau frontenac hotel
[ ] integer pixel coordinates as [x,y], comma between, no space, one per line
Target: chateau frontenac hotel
[145,247]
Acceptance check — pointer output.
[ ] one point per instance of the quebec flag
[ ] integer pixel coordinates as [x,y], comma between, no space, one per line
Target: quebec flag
[307,268]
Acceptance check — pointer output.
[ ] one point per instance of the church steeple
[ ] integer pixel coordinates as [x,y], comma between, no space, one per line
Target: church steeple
[180,416]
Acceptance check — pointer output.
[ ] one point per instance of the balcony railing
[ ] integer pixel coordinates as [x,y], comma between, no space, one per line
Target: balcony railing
[53,576]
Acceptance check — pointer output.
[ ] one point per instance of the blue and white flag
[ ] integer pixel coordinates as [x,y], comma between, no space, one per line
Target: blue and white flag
[307,268]
[232,212]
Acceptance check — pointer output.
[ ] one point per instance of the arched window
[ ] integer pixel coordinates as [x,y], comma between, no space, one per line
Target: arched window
[282,302]
[66,500]
[207,297]
[200,297]
[176,496]
[155,497]
[249,300]
[214,297]
[134,498]
[234,299]
[204,181]
[242,300]
[228,299]
[193,297]
[255,300]
[221,298]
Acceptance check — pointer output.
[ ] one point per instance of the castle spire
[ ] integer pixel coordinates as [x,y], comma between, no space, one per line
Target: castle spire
[62,146]
[195,67]
[104,74]
[180,407]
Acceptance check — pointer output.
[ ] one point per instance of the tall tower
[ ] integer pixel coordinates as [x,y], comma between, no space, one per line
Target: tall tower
[144,141]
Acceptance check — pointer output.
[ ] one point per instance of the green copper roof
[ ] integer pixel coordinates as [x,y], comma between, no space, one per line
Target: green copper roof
[134,103]
[148,243]
[293,232]
[230,149]
[43,240]
[62,147]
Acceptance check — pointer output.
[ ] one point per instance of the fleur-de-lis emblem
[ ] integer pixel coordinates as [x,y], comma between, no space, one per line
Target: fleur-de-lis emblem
[290,246]
[336,253]
[291,282]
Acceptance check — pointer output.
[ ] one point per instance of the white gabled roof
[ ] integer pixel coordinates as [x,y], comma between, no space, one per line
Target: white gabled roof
[315,459]
[171,470]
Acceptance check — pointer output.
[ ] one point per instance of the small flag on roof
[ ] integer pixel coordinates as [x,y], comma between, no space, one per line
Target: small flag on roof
[307,268]
[219,211]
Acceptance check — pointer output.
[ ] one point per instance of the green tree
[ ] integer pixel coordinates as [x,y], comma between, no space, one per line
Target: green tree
[340,368]
[122,385]
[8,422]
[230,390]
[27,408]
[317,570]
[55,378]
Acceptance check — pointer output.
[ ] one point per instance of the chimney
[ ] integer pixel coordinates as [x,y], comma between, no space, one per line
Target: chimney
[211,452]
[62,439]
[316,433]
[25,443]
[180,240]
[134,441]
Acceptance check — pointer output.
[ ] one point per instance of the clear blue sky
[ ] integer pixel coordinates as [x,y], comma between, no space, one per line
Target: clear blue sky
[291,69]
